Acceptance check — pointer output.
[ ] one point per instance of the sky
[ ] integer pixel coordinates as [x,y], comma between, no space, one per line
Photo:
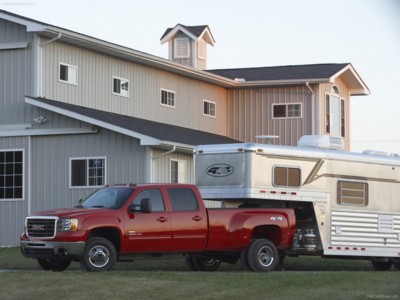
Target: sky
[257,33]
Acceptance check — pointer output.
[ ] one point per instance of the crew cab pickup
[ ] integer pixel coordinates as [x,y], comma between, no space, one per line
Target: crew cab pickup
[124,221]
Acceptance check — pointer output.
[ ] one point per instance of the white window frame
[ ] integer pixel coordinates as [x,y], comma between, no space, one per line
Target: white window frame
[87,172]
[183,43]
[122,81]
[286,110]
[328,116]
[69,80]
[168,99]
[23,175]
[215,108]
[182,172]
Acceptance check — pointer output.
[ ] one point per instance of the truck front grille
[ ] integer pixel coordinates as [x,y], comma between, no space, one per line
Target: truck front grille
[41,227]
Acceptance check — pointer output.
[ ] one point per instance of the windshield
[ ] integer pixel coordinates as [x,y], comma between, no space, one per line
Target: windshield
[112,198]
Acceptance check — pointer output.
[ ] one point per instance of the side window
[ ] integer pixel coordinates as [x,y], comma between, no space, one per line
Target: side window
[286,176]
[87,172]
[120,87]
[157,203]
[182,199]
[167,98]
[352,193]
[68,74]
[11,175]
[209,108]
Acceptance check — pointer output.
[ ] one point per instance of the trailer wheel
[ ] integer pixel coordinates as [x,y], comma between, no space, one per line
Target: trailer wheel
[99,255]
[381,264]
[54,265]
[262,256]
[203,263]
[396,264]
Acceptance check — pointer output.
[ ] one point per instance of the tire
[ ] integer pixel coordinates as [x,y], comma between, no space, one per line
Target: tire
[262,256]
[99,255]
[381,264]
[243,259]
[204,263]
[189,263]
[54,265]
[396,265]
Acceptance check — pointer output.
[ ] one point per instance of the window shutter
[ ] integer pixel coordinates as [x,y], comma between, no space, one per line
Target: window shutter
[182,48]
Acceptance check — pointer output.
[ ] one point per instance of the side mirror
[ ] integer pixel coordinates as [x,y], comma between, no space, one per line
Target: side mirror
[145,205]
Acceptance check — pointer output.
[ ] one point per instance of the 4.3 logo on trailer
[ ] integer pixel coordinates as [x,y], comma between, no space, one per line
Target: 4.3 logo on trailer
[220,170]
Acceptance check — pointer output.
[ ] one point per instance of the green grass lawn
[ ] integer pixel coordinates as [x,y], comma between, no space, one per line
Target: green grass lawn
[303,278]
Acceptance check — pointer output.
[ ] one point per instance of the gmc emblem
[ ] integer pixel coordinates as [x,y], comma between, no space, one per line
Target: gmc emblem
[38,227]
[219,170]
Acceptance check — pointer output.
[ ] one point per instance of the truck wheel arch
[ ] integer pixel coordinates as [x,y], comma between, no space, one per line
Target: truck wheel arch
[109,233]
[270,232]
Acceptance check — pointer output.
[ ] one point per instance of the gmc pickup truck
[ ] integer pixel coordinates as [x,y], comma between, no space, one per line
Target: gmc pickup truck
[123,222]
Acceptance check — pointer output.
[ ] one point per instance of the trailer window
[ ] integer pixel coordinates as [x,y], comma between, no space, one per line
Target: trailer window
[285,176]
[352,193]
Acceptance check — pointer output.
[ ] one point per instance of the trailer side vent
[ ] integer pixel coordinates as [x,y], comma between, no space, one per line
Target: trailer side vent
[321,141]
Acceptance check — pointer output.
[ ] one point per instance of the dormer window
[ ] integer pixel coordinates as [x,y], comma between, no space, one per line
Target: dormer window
[335,90]
[182,47]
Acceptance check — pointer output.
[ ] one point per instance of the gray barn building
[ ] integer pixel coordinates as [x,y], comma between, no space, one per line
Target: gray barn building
[77,112]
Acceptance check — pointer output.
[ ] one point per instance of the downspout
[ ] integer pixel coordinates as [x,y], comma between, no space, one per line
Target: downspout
[52,40]
[312,108]
[166,153]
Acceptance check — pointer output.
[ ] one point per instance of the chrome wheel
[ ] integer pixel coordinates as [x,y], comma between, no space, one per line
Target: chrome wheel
[99,256]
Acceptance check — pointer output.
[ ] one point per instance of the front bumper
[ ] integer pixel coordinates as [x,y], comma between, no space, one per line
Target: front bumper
[52,250]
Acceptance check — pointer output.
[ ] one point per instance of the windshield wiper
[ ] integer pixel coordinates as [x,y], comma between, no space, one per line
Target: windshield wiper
[97,206]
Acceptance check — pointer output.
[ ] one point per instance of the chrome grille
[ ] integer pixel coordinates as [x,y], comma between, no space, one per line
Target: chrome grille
[41,227]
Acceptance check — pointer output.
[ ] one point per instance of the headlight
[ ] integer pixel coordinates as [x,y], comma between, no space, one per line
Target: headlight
[67,225]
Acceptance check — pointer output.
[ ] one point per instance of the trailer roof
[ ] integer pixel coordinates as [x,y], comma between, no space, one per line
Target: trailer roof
[301,152]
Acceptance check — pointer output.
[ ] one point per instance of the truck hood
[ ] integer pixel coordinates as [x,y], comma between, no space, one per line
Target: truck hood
[63,213]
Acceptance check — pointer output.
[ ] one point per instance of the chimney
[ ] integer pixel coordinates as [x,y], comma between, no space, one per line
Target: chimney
[188,45]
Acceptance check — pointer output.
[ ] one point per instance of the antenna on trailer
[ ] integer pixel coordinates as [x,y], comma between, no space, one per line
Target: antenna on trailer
[267,137]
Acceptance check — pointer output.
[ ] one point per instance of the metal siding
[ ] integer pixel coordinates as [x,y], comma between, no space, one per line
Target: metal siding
[94,89]
[125,160]
[249,114]
[161,165]
[16,73]
[12,212]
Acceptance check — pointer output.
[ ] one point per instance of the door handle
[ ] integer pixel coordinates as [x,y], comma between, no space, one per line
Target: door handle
[197,218]
[162,219]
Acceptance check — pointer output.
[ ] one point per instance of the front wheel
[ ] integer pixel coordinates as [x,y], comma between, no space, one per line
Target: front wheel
[99,255]
[262,256]
[54,265]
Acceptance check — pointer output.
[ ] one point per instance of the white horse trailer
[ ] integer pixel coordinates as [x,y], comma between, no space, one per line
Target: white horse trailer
[346,204]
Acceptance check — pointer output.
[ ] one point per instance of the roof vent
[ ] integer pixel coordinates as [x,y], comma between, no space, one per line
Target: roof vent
[321,142]
[380,153]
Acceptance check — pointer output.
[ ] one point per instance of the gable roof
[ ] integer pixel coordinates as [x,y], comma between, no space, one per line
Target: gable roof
[313,73]
[148,132]
[194,32]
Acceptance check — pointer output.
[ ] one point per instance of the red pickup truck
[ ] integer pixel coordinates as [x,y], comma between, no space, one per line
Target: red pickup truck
[124,221]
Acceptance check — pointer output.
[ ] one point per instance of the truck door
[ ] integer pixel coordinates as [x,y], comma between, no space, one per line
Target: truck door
[148,232]
[188,221]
